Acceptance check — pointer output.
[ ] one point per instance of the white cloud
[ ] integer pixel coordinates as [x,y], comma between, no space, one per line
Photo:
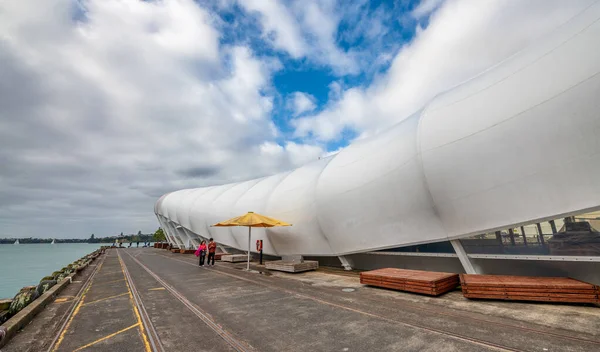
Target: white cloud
[279,25]
[102,113]
[300,103]
[320,22]
[307,29]
[464,37]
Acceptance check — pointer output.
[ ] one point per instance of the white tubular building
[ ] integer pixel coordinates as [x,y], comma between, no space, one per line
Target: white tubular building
[517,145]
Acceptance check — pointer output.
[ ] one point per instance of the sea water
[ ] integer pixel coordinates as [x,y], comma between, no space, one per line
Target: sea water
[26,264]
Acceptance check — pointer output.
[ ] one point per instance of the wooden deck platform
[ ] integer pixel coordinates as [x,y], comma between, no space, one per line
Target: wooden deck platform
[426,282]
[292,267]
[529,288]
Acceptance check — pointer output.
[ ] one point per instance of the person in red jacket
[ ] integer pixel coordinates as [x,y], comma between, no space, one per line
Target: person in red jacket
[212,248]
[201,252]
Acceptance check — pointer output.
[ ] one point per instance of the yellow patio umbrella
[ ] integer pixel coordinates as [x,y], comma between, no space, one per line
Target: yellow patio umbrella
[251,219]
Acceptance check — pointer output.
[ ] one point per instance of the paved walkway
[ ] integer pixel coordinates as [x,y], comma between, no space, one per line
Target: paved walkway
[154,300]
[106,317]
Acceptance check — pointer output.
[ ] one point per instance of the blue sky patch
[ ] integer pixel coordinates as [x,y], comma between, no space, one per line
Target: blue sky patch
[368,34]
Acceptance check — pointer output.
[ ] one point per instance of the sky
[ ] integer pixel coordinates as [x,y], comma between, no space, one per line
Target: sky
[105,105]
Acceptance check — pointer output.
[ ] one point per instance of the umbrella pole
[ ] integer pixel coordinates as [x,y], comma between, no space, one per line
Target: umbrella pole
[249,235]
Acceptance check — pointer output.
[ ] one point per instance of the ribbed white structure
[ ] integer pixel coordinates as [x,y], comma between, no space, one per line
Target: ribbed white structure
[517,144]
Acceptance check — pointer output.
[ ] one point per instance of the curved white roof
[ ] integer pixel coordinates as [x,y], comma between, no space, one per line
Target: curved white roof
[519,143]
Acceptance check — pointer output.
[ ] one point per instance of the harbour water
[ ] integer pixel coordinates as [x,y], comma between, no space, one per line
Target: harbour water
[25,264]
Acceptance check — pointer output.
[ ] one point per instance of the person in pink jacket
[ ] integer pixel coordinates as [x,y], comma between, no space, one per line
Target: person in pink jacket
[201,252]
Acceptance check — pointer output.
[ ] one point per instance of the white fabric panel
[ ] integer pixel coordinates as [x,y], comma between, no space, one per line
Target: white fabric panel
[373,194]
[159,209]
[516,144]
[164,205]
[223,208]
[254,199]
[194,197]
[294,201]
[185,205]
[157,205]
[172,202]
[202,208]
[526,147]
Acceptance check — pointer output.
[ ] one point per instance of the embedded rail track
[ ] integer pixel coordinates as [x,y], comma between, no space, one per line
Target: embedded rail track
[229,337]
[389,310]
[402,307]
[75,303]
[149,330]
[153,337]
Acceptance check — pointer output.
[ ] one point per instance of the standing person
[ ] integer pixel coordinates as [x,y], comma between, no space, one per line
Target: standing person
[212,248]
[138,244]
[201,252]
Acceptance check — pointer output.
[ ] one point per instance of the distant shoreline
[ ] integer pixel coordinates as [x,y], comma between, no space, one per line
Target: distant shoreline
[22,241]
[107,240]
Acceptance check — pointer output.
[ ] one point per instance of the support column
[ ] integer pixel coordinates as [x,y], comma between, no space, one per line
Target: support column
[165,228]
[171,238]
[174,234]
[179,237]
[462,256]
[524,237]
[192,237]
[249,244]
[346,262]
[539,228]
[511,235]
[553,226]
[499,238]
[182,236]
[189,242]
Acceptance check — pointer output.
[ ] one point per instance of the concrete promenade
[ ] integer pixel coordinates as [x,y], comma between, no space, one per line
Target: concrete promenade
[153,300]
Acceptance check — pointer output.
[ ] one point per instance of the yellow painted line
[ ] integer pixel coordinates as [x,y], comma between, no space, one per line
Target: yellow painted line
[79,304]
[106,274]
[106,337]
[109,282]
[62,334]
[106,298]
[135,310]
[156,289]
[64,299]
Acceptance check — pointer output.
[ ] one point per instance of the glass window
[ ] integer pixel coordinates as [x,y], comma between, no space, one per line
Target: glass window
[577,236]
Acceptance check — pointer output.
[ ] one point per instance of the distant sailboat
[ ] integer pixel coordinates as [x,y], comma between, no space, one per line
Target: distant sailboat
[16,242]
[52,241]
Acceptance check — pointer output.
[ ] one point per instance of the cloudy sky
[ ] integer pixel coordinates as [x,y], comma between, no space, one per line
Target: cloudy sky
[107,104]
